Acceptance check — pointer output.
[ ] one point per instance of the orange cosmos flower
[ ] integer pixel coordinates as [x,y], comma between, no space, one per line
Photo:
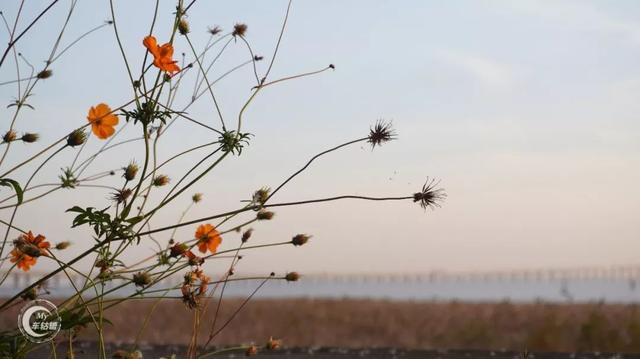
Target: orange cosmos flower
[208,238]
[102,121]
[27,250]
[162,55]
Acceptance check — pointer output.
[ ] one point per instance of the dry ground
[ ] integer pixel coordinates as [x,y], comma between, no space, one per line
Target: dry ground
[352,323]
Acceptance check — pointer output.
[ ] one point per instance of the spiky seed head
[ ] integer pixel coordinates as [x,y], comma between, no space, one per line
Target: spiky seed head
[141,279]
[239,29]
[300,239]
[130,171]
[214,30]
[380,133]
[161,180]
[76,138]
[430,196]
[121,196]
[183,26]
[30,137]
[260,196]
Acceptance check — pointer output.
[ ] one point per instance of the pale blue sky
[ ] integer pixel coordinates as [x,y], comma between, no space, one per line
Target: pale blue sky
[527,111]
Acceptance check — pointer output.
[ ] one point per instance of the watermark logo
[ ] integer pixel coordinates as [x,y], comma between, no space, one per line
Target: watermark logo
[39,321]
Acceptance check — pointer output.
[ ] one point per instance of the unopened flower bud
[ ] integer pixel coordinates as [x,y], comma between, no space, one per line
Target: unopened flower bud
[29,137]
[44,74]
[76,138]
[183,26]
[300,239]
[292,277]
[9,136]
[264,215]
[130,171]
[246,235]
[63,245]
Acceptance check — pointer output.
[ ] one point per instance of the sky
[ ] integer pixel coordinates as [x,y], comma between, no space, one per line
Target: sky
[526,111]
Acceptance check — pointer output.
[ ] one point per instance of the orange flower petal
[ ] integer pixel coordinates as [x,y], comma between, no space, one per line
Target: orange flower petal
[151,44]
[110,120]
[202,247]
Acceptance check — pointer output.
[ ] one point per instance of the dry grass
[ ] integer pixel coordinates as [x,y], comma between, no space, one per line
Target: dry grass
[369,323]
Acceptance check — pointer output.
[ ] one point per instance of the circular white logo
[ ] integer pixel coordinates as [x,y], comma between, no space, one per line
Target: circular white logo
[39,321]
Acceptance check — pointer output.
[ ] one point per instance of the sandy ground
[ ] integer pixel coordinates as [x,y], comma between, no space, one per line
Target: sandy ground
[351,323]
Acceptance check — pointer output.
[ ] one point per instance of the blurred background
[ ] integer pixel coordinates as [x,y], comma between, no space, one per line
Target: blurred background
[525,111]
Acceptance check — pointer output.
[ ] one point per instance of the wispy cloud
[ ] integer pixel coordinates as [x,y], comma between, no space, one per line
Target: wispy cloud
[488,71]
[581,14]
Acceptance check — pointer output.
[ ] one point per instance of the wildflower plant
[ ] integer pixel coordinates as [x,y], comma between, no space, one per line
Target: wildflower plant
[139,188]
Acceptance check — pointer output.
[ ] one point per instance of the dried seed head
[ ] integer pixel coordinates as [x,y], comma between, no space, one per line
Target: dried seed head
[141,279]
[332,66]
[258,58]
[214,30]
[430,196]
[183,26]
[76,138]
[239,30]
[194,260]
[246,235]
[130,171]
[30,249]
[63,245]
[251,351]
[264,215]
[260,196]
[292,277]
[9,136]
[160,181]
[380,133]
[122,195]
[44,74]
[273,344]
[31,294]
[300,239]
[102,264]
[30,137]
[136,83]
[178,249]
[188,298]
[196,198]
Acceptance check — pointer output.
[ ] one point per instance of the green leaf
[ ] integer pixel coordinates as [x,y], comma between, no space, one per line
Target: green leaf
[8,182]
